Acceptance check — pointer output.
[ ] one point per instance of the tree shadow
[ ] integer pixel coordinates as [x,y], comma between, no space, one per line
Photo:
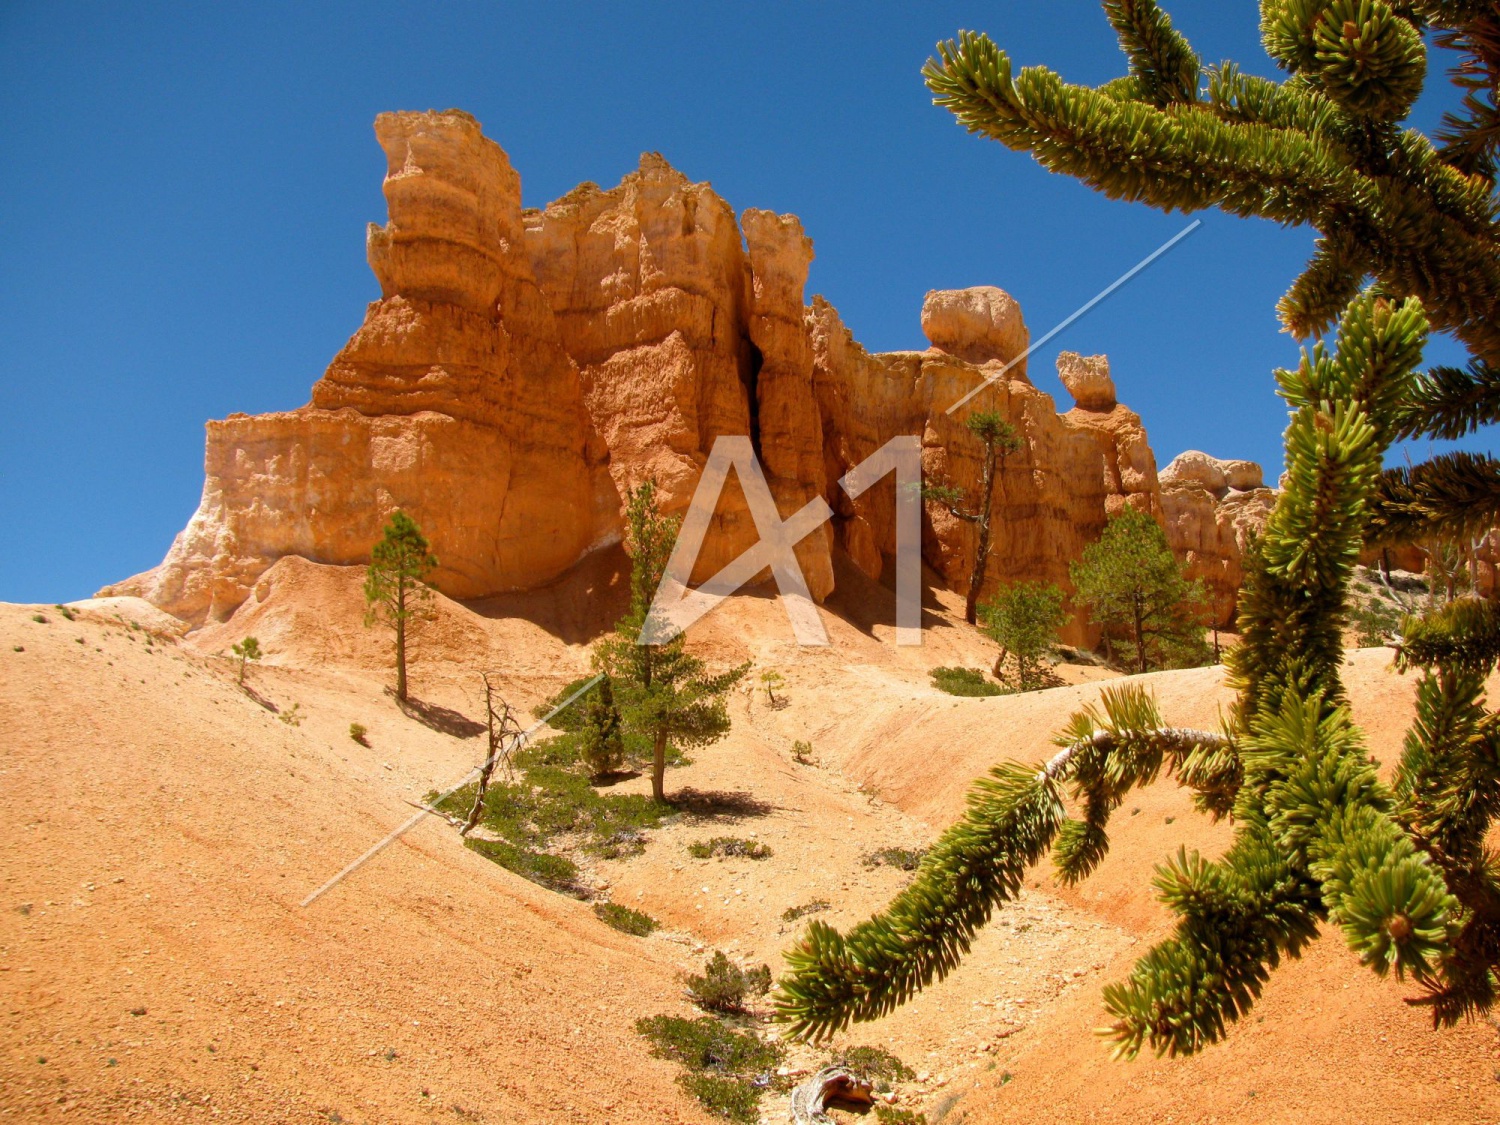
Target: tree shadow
[719,804]
[262,700]
[442,719]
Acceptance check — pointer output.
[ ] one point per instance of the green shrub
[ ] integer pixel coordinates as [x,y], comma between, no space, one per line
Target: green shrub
[39,618]
[724,986]
[878,1067]
[802,753]
[625,919]
[964,681]
[292,716]
[357,732]
[906,859]
[555,872]
[731,1098]
[1024,618]
[1373,622]
[67,612]
[705,1044]
[889,1115]
[727,846]
[816,906]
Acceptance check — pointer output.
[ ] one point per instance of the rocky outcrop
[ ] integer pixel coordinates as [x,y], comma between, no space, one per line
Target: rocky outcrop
[1128,463]
[523,369]
[1211,510]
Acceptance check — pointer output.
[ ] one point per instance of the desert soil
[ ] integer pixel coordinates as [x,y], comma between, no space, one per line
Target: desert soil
[162,825]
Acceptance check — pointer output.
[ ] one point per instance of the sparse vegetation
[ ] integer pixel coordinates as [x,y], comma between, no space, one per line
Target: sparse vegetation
[816,906]
[594,729]
[66,611]
[802,752]
[725,987]
[663,693]
[358,732]
[771,679]
[624,919]
[874,1065]
[727,1070]
[292,716]
[244,651]
[725,847]
[904,859]
[1024,618]
[999,440]
[39,618]
[891,1115]
[549,798]
[1374,622]
[964,681]
[396,590]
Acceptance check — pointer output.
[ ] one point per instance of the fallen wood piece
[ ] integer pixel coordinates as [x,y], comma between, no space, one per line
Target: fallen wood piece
[833,1083]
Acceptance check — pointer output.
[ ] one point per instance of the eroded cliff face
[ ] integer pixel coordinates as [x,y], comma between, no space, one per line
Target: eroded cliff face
[522,370]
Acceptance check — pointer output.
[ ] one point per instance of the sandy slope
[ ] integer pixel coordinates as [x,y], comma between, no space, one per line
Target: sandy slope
[163,826]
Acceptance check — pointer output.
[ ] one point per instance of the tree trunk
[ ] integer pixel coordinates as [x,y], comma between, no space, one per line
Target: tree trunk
[659,769]
[982,544]
[1140,637]
[401,639]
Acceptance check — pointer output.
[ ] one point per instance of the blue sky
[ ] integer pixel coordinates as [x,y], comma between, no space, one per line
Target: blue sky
[186,188]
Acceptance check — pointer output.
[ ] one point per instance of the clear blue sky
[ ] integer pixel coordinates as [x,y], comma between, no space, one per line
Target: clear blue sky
[185,191]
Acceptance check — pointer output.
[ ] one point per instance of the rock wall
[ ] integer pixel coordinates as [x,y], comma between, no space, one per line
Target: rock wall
[523,369]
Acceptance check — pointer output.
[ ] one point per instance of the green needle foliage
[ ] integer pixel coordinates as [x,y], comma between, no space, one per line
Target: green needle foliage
[245,650]
[1412,215]
[1318,837]
[396,590]
[1409,241]
[663,693]
[999,440]
[1024,618]
[1135,590]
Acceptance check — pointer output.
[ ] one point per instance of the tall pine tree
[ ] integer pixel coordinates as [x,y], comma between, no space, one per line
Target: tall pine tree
[396,590]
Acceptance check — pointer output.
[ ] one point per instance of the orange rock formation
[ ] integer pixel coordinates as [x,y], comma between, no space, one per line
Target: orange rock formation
[523,369]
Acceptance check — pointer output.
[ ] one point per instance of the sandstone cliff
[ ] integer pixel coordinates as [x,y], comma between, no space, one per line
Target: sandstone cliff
[522,369]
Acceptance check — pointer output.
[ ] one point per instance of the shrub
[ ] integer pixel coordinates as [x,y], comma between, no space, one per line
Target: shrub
[357,732]
[964,681]
[39,618]
[907,859]
[889,1115]
[555,872]
[727,846]
[816,906]
[705,1044]
[724,985]
[878,1067]
[66,611]
[247,649]
[1373,622]
[802,753]
[292,716]
[624,919]
[730,1098]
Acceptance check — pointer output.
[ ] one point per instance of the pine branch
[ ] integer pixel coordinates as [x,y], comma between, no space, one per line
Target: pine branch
[1454,496]
[1452,402]
[980,863]
[1463,635]
[1161,61]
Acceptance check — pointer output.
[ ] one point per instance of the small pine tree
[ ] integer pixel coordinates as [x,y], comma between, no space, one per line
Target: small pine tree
[1024,618]
[601,737]
[664,693]
[247,649]
[1135,590]
[396,591]
[1000,440]
[771,680]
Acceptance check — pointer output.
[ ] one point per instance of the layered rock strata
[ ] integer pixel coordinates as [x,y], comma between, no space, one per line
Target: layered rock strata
[523,369]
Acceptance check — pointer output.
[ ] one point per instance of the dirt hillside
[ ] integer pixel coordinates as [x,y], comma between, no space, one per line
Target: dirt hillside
[161,826]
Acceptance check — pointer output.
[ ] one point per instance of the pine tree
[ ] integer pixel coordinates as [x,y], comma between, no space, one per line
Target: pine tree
[1024,618]
[396,591]
[1000,440]
[1400,869]
[1134,588]
[247,649]
[664,693]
